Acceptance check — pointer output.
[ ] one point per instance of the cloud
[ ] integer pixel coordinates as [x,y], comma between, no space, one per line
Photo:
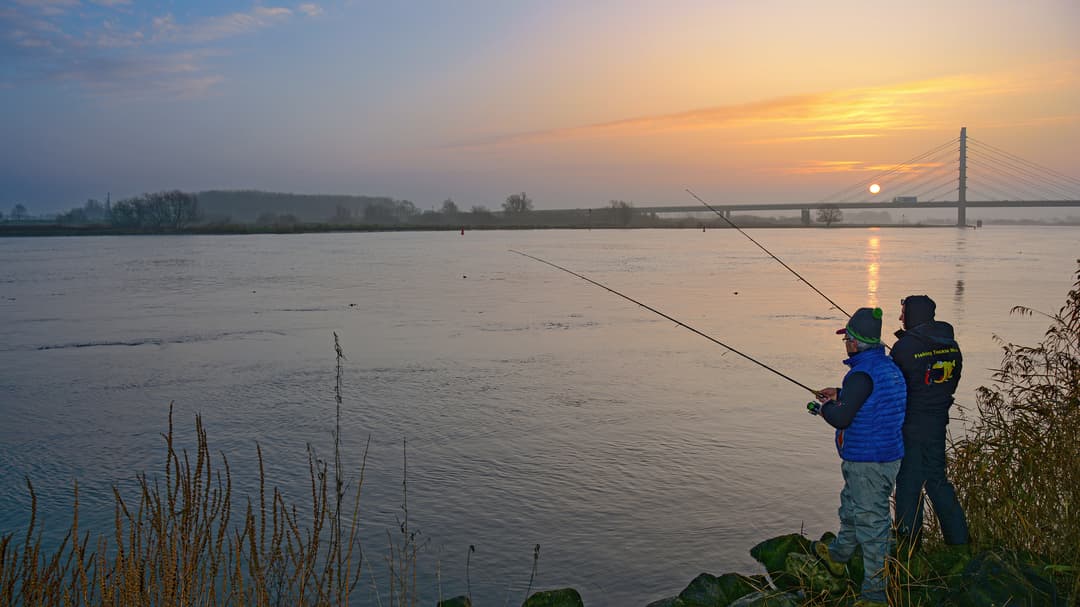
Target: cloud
[94,48]
[219,27]
[49,7]
[843,114]
[818,167]
[309,9]
[179,74]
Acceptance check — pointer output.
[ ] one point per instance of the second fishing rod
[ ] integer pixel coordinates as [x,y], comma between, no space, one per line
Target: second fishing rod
[674,320]
[768,252]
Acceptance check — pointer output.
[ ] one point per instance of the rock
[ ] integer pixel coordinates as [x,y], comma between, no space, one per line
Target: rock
[773,553]
[768,598]
[813,576]
[563,597]
[458,601]
[668,602]
[992,579]
[949,561]
[707,590]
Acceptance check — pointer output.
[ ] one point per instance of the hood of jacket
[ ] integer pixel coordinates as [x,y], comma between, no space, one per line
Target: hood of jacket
[918,309]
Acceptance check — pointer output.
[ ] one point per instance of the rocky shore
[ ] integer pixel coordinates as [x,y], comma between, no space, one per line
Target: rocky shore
[794,577]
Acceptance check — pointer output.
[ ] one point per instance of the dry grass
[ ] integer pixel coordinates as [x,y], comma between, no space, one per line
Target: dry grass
[176,544]
[1017,471]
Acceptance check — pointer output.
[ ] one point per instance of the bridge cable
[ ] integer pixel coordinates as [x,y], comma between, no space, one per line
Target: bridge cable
[912,176]
[1023,174]
[844,192]
[1001,161]
[859,186]
[1025,161]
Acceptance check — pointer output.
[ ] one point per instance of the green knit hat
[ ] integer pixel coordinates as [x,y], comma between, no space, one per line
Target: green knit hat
[864,326]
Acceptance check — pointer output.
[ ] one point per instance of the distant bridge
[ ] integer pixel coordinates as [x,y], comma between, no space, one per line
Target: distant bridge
[807,207]
[1001,180]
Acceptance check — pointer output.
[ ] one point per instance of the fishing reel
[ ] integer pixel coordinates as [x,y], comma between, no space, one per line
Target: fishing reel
[813,407]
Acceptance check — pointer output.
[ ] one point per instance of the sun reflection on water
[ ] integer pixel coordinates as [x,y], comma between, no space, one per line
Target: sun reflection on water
[873,257]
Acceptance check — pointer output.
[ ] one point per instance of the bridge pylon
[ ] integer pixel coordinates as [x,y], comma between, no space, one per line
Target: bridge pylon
[961,199]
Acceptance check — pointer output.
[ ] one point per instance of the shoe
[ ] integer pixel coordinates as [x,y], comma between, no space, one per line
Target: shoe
[836,568]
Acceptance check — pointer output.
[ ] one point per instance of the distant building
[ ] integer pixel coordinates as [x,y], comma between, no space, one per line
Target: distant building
[905,199]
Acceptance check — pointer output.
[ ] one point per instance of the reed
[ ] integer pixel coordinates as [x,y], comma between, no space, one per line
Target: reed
[176,542]
[1017,471]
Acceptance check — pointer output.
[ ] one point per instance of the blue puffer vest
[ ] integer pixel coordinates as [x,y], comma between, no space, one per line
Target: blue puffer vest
[875,434]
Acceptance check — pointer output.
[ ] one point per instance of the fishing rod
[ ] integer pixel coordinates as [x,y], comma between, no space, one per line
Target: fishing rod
[678,322]
[780,261]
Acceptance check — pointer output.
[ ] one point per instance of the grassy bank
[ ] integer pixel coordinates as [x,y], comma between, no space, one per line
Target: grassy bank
[1017,472]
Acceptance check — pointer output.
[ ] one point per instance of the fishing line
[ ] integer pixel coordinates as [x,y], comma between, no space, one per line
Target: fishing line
[678,322]
[780,261]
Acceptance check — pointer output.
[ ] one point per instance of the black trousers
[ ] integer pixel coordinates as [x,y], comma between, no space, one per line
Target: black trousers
[923,468]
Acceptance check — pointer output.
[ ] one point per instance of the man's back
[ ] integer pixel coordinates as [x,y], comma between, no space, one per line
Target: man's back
[931,362]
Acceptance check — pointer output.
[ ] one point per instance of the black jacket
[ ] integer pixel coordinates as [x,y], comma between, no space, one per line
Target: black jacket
[931,362]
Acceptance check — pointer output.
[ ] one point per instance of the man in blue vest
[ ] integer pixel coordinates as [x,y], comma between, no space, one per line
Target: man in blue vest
[930,359]
[868,414]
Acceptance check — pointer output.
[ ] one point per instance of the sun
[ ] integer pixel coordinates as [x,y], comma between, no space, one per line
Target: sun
[874,188]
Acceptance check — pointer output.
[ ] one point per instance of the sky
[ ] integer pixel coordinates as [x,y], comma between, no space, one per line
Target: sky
[575,102]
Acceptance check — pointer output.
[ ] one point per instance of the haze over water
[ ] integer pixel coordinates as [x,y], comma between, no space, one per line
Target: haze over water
[537,408]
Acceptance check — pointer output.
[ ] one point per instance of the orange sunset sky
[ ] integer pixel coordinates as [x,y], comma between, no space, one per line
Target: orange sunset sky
[575,103]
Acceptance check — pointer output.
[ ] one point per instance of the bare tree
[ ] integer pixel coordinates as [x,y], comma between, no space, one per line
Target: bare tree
[173,210]
[517,203]
[829,215]
[623,212]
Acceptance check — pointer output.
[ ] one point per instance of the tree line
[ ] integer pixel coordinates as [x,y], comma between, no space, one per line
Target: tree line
[160,211]
[247,210]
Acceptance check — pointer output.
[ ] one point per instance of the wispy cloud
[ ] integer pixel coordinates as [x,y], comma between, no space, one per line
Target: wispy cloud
[178,74]
[49,7]
[309,9]
[844,114]
[818,167]
[103,50]
[219,27]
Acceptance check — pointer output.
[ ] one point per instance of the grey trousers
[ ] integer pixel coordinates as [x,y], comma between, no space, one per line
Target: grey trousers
[865,521]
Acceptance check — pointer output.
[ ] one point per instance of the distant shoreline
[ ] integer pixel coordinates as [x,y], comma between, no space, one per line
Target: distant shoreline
[27,230]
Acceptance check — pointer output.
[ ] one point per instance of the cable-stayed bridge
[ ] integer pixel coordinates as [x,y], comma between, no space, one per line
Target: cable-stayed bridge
[961,173]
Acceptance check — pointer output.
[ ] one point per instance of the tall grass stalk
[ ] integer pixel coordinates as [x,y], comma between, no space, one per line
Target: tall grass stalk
[1017,471]
[175,543]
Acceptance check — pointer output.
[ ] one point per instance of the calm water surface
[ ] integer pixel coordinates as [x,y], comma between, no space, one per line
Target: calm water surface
[536,408]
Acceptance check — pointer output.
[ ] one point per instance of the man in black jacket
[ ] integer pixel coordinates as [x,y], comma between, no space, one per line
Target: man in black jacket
[930,360]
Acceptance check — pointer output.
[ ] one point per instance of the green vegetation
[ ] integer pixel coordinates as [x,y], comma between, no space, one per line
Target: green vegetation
[1017,470]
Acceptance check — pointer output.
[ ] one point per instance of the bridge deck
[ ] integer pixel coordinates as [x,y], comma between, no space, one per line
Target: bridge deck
[793,206]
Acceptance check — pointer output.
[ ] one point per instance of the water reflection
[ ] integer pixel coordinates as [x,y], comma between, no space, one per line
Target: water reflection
[873,266]
[961,257]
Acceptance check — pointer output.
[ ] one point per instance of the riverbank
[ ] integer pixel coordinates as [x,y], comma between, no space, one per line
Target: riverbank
[33,229]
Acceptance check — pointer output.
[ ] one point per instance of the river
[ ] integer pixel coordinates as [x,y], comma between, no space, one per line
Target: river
[534,408]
